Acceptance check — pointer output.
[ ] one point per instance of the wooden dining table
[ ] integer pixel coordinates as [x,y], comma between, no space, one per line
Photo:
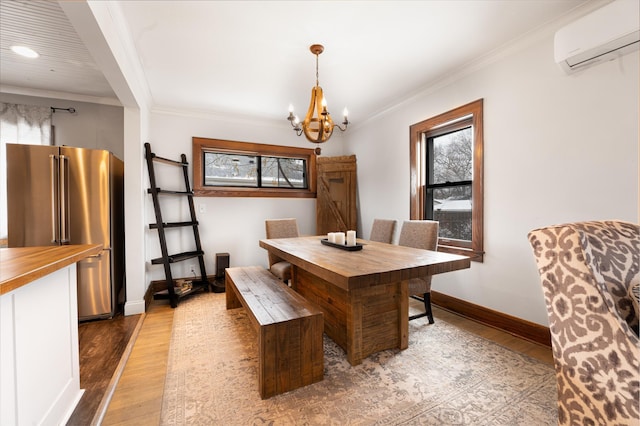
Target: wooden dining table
[363,294]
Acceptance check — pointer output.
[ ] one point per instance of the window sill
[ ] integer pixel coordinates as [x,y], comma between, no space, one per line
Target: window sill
[253,192]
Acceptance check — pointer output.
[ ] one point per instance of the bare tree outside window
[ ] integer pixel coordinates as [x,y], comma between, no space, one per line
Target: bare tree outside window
[453,156]
[452,173]
[283,172]
[239,170]
[230,169]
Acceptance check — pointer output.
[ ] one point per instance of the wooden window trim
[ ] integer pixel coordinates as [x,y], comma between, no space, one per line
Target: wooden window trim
[418,175]
[201,145]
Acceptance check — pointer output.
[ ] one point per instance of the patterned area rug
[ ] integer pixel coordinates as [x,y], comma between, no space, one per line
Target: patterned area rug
[447,376]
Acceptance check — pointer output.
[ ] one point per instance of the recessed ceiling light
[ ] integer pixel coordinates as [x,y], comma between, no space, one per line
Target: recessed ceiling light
[25,51]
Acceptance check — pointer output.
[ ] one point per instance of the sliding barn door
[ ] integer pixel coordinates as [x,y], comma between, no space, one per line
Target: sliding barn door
[336,199]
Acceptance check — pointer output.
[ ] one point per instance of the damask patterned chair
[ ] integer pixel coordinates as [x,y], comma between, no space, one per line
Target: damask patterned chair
[422,234]
[281,228]
[382,230]
[589,271]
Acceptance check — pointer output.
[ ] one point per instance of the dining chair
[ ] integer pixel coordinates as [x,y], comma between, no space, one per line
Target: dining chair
[382,230]
[281,228]
[422,234]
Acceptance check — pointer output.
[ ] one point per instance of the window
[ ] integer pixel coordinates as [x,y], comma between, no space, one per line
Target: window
[446,178]
[23,124]
[242,169]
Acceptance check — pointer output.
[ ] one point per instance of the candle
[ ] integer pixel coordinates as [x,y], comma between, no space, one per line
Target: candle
[351,238]
[339,238]
[331,237]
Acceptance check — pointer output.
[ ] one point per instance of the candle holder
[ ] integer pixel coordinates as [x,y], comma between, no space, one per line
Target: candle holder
[345,247]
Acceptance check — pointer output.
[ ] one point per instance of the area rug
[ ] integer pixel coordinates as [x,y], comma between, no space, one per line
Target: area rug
[447,376]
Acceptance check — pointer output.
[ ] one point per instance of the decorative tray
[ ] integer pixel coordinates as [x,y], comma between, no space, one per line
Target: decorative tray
[357,247]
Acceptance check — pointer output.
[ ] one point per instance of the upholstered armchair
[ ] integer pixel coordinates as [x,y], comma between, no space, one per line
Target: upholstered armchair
[281,228]
[589,271]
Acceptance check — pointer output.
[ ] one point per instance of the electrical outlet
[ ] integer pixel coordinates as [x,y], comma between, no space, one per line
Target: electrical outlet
[192,269]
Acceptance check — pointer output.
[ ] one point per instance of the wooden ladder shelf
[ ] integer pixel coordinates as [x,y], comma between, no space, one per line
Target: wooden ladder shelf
[174,294]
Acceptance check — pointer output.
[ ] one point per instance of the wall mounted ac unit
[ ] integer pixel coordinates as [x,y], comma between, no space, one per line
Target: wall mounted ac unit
[605,34]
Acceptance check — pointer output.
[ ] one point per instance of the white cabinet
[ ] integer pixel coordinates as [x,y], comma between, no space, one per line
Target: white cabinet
[39,358]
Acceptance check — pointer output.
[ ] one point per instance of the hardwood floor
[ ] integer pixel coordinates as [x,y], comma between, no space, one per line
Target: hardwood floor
[535,350]
[137,399]
[103,344]
[138,396]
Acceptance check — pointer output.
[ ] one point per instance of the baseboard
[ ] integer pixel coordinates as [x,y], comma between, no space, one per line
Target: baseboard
[512,325]
[134,307]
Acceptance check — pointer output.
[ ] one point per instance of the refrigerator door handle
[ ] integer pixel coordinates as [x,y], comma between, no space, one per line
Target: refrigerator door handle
[54,198]
[64,200]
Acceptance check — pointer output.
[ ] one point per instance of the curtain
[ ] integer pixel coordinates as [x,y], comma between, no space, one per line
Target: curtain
[24,124]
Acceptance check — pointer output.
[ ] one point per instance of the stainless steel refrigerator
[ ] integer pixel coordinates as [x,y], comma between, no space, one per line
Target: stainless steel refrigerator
[61,195]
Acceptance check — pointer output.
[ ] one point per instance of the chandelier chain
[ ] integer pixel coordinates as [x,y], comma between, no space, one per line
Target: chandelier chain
[317,73]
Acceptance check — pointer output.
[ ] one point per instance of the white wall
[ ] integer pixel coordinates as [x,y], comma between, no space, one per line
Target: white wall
[557,148]
[230,224]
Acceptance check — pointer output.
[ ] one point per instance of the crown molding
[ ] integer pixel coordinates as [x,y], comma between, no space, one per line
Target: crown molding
[52,94]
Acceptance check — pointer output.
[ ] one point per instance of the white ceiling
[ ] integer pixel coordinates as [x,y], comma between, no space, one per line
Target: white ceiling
[252,57]
[65,65]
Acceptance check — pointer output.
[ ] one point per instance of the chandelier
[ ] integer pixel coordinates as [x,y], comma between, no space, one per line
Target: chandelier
[317,125]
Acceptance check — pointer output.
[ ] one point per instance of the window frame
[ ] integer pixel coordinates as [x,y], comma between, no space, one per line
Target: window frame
[202,145]
[418,174]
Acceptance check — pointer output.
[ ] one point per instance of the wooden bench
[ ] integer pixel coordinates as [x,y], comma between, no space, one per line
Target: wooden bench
[290,328]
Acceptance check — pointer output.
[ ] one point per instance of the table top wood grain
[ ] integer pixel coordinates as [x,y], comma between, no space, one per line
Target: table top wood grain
[22,265]
[377,263]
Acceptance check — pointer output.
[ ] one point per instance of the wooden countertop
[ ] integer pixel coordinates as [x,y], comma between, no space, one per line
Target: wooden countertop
[22,265]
